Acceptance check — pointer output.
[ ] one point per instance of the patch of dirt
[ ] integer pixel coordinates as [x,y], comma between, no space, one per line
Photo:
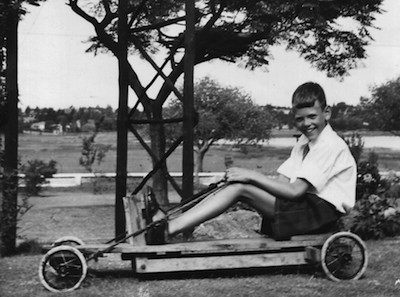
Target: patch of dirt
[234,224]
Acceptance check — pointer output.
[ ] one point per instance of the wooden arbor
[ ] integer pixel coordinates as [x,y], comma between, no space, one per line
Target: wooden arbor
[126,122]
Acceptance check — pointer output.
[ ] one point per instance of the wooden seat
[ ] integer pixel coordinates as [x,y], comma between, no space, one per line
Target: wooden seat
[134,219]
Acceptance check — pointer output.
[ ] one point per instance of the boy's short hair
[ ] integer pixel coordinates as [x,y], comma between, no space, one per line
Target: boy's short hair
[306,95]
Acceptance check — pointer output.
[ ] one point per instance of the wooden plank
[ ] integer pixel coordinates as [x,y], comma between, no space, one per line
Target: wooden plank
[146,265]
[133,217]
[317,237]
[122,118]
[188,100]
[210,247]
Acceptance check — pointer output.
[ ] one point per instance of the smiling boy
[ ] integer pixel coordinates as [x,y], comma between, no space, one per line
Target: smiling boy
[315,186]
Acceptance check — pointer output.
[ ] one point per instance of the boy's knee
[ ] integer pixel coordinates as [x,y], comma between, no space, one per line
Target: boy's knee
[237,188]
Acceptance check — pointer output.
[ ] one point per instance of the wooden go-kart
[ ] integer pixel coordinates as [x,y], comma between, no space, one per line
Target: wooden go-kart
[342,255]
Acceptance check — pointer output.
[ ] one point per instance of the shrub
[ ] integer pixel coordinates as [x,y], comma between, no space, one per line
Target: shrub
[29,247]
[36,171]
[392,184]
[92,152]
[368,179]
[393,191]
[355,144]
[376,217]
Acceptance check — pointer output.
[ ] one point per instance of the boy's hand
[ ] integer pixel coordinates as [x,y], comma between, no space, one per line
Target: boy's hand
[241,175]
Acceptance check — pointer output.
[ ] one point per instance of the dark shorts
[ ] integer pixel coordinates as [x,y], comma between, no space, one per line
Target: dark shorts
[308,215]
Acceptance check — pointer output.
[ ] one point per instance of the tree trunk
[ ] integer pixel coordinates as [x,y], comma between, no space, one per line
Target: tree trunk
[157,138]
[10,179]
[199,162]
[199,154]
[1,206]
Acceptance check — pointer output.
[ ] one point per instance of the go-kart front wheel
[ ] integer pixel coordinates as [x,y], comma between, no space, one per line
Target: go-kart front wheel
[344,257]
[68,240]
[62,269]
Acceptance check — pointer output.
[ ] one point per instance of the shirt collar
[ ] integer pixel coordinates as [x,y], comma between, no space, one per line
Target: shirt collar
[303,140]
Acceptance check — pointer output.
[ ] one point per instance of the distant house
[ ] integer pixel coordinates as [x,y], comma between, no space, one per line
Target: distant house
[56,129]
[38,126]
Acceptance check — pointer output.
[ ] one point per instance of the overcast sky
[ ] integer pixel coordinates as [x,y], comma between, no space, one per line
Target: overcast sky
[55,71]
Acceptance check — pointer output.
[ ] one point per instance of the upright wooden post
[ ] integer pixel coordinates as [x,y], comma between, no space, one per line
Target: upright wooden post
[10,179]
[188,102]
[122,119]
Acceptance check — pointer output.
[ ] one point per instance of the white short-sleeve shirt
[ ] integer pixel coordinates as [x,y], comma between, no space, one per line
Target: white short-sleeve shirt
[329,167]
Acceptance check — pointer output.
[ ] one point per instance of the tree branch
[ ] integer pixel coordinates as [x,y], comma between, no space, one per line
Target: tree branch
[136,12]
[75,8]
[158,25]
[205,145]
[109,14]
[104,38]
[159,71]
[109,43]
[215,17]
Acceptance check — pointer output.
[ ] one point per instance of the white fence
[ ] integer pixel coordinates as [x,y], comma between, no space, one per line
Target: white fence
[60,180]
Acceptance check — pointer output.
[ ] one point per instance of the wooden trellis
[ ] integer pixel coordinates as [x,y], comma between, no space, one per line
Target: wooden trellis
[125,116]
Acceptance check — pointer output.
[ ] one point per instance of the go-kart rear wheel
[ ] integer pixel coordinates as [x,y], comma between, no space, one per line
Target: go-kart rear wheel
[344,257]
[62,269]
[68,240]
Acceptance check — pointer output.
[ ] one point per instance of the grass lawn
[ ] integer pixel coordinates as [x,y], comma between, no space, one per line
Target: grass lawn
[91,216]
[66,150]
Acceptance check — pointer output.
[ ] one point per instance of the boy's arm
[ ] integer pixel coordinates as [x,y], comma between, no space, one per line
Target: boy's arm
[280,187]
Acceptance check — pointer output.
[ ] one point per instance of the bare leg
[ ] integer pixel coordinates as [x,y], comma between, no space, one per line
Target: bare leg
[217,203]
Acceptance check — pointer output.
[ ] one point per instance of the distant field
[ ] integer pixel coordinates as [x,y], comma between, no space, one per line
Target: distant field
[66,150]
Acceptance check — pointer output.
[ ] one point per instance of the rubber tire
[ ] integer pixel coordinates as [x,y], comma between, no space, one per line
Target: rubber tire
[68,240]
[52,252]
[326,246]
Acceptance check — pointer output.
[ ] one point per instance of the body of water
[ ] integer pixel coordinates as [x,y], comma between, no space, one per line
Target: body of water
[390,142]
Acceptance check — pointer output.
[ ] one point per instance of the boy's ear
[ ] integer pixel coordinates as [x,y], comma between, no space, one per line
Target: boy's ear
[327,113]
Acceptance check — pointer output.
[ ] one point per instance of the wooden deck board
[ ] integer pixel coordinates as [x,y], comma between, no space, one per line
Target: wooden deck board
[153,265]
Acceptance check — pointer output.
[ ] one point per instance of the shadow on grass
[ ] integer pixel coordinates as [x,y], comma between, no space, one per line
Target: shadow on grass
[29,247]
[307,271]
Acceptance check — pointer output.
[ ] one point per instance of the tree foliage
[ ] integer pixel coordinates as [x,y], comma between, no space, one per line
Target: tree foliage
[382,109]
[346,117]
[224,112]
[245,30]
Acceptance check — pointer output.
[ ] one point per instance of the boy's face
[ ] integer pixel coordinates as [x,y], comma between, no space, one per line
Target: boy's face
[311,120]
